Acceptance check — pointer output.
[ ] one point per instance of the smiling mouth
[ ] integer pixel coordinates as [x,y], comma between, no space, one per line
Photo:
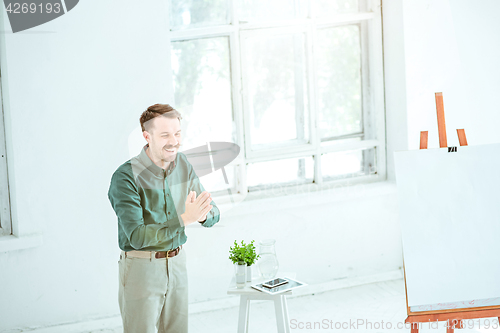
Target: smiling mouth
[170,150]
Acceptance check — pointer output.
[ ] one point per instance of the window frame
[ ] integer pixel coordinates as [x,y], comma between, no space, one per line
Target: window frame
[5,216]
[274,148]
[369,19]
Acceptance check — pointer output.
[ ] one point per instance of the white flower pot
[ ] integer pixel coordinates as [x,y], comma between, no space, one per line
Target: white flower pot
[240,274]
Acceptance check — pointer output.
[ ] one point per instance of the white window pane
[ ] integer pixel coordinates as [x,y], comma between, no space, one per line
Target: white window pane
[287,171]
[329,8]
[277,90]
[196,13]
[348,164]
[339,81]
[202,90]
[265,10]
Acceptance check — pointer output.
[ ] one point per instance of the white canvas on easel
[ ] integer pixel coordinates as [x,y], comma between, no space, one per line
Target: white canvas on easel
[450,223]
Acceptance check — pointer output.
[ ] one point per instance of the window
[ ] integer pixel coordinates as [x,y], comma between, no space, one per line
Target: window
[5,222]
[297,84]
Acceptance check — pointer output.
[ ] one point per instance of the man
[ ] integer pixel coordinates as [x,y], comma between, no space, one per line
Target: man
[155,196]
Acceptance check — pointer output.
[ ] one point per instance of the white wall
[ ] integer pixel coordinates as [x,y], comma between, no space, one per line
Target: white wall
[74,95]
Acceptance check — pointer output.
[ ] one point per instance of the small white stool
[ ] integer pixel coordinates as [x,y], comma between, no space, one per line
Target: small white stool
[248,294]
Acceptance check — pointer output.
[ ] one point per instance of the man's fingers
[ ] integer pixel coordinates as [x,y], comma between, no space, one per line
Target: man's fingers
[206,210]
[206,201]
[202,208]
[203,195]
[190,198]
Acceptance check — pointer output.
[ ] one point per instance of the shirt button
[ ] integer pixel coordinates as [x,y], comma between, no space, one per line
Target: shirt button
[168,213]
[168,194]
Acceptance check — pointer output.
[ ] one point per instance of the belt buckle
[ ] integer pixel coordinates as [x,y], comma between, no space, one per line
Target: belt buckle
[169,252]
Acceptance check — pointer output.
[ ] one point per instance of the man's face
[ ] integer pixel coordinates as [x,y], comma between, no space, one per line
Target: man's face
[164,138]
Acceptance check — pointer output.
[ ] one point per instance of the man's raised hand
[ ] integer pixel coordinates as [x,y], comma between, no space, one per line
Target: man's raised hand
[197,208]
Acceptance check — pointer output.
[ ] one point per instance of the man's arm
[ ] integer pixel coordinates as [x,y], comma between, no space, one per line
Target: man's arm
[213,216]
[125,200]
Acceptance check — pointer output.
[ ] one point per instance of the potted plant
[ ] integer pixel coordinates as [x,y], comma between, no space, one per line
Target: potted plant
[237,255]
[250,258]
[243,255]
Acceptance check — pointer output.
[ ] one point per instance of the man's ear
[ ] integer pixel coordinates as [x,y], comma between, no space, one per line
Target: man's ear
[146,136]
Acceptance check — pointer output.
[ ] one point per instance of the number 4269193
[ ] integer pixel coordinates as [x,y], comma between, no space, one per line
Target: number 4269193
[23,8]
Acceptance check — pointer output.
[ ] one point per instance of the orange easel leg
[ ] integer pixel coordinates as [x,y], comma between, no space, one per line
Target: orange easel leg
[461,137]
[443,143]
[424,136]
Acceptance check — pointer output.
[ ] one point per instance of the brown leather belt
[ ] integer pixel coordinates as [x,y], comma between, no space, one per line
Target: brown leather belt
[169,253]
[154,254]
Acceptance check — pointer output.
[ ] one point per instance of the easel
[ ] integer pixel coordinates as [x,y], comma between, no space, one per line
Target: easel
[443,143]
[453,317]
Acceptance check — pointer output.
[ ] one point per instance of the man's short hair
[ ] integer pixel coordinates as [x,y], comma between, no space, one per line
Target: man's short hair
[156,110]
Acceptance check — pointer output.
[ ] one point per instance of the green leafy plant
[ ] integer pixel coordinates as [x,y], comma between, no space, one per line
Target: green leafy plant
[251,256]
[237,253]
[243,252]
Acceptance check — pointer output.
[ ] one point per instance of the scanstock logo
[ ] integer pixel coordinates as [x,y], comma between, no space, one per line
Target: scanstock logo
[212,157]
[207,159]
[27,14]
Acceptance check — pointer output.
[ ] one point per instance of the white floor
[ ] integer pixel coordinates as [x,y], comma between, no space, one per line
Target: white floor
[376,307]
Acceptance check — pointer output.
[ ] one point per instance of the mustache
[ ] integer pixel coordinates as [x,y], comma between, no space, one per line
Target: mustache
[170,147]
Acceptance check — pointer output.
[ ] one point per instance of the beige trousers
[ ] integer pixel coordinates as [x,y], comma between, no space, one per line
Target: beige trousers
[153,294]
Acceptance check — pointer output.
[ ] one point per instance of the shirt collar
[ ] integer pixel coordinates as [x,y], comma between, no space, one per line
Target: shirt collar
[146,161]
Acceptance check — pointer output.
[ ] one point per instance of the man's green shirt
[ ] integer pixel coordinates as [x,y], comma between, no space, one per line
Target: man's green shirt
[149,201]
